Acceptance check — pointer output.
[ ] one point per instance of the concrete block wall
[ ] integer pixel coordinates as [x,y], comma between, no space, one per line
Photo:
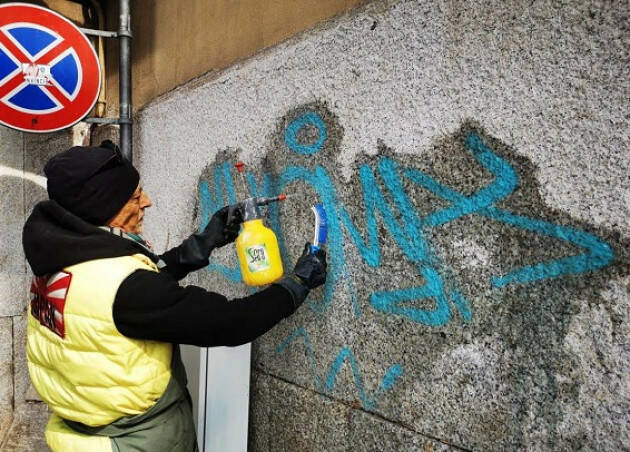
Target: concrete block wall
[23,416]
[473,160]
[11,274]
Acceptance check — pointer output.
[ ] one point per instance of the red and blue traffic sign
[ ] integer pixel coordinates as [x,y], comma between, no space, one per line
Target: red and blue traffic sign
[49,72]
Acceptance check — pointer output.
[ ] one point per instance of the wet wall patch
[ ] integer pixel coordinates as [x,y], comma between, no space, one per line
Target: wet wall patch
[447,271]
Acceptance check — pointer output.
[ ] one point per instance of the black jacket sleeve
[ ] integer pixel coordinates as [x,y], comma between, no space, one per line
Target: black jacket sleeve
[153,306]
[177,269]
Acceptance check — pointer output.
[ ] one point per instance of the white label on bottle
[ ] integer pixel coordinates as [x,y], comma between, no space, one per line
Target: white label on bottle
[257,258]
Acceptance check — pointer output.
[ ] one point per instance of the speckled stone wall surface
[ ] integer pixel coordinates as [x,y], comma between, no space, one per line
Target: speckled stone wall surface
[473,161]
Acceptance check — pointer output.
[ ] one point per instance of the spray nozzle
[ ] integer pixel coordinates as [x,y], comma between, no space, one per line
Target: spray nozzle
[266,201]
[249,207]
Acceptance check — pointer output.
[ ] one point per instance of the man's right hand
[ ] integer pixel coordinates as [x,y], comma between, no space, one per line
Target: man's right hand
[309,273]
[311,267]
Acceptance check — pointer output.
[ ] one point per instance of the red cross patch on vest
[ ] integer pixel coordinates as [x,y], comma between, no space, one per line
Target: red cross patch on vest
[49,300]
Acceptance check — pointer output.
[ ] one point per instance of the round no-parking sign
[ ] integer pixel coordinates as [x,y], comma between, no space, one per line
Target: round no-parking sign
[49,72]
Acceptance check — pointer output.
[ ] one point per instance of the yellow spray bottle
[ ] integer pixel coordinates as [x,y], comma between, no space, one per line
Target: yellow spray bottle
[257,245]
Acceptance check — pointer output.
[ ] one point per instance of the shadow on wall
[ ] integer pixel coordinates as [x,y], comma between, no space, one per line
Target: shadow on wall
[431,238]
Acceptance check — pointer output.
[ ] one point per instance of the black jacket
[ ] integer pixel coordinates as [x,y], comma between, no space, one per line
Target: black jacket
[151,305]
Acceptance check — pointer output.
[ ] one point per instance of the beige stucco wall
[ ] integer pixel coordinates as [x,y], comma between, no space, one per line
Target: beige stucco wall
[71,10]
[176,41]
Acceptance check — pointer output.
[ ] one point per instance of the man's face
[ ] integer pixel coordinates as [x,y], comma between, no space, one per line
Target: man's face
[130,217]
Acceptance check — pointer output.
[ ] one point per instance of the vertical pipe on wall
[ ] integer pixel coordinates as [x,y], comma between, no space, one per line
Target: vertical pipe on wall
[124,78]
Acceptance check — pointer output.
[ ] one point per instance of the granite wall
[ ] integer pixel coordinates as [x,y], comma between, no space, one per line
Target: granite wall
[473,161]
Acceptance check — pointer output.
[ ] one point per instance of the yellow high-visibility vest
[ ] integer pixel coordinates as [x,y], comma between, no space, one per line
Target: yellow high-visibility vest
[81,366]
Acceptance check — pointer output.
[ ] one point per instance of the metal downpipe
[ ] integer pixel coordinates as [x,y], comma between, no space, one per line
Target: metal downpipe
[124,79]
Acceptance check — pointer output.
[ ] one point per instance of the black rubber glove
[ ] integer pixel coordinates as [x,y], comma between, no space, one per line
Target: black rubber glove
[194,252]
[223,227]
[309,273]
[311,267]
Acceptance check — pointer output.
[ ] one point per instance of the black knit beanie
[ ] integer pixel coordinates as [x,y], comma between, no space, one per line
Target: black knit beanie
[93,183]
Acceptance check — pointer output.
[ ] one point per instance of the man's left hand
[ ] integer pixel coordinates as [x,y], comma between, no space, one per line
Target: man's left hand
[194,252]
[223,227]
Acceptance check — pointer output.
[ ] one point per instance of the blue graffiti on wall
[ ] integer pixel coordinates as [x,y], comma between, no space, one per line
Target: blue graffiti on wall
[407,229]
[409,232]
[391,375]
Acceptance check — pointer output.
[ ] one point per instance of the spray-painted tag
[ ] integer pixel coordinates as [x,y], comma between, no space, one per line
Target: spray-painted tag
[257,258]
[36,74]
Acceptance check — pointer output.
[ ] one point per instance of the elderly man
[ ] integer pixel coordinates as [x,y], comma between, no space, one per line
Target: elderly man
[107,313]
